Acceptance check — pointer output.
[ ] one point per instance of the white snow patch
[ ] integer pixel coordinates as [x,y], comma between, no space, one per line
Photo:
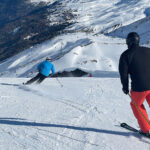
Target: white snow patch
[16,30]
[38,1]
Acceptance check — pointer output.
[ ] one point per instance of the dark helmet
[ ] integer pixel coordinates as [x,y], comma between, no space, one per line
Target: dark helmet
[133,39]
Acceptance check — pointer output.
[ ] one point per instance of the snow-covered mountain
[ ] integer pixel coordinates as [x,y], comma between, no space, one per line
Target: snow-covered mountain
[94,42]
[24,24]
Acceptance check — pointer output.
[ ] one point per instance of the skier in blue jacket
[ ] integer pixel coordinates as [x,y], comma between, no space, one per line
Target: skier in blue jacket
[44,71]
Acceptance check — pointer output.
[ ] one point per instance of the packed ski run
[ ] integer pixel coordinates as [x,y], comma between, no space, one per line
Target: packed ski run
[75,113]
[83,114]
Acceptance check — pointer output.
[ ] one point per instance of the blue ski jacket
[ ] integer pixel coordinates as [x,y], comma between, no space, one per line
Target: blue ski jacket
[45,68]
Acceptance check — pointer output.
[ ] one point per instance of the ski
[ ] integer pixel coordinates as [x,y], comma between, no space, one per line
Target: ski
[128,127]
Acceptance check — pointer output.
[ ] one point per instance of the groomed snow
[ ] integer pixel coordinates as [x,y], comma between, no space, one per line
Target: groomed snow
[83,114]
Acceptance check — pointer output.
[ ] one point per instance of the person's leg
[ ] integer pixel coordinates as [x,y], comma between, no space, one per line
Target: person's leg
[139,98]
[41,79]
[33,79]
[148,98]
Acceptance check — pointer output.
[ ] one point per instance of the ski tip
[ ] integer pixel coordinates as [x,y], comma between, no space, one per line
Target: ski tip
[123,124]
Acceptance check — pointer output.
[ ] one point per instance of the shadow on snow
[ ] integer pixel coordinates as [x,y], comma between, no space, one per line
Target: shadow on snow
[14,121]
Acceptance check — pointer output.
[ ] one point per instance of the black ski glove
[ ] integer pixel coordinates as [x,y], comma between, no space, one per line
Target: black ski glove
[125,91]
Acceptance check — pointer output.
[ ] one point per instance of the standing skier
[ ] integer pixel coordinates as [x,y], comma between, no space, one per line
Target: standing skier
[44,71]
[135,61]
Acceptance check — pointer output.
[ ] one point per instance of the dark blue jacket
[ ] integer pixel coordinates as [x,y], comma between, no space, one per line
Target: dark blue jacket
[45,68]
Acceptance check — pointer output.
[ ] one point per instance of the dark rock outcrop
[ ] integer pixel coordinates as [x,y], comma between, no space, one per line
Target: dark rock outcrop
[73,73]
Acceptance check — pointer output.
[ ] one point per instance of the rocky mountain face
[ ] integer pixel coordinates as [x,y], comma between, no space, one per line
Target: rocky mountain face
[23,24]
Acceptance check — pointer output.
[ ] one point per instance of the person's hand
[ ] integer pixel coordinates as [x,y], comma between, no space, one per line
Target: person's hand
[125,91]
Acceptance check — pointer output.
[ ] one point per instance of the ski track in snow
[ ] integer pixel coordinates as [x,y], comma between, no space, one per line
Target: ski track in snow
[84,114]
[86,111]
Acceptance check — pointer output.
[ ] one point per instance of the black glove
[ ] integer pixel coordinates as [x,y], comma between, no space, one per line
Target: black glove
[125,91]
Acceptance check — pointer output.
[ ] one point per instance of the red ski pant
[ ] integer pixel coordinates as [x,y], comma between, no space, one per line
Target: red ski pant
[139,98]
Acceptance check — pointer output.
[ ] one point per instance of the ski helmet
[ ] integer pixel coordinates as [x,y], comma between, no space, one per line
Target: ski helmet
[132,39]
[49,58]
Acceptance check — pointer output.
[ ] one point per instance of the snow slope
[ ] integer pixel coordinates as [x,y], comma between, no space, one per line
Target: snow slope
[141,26]
[85,113]
[74,52]
[81,115]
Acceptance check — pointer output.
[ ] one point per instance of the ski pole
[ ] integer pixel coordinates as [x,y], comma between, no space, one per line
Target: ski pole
[59,82]
[139,109]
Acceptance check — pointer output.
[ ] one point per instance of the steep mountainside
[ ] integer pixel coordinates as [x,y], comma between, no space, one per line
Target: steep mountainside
[23,24]
[89,35]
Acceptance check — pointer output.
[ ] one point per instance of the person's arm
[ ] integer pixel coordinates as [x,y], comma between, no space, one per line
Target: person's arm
[124,72]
